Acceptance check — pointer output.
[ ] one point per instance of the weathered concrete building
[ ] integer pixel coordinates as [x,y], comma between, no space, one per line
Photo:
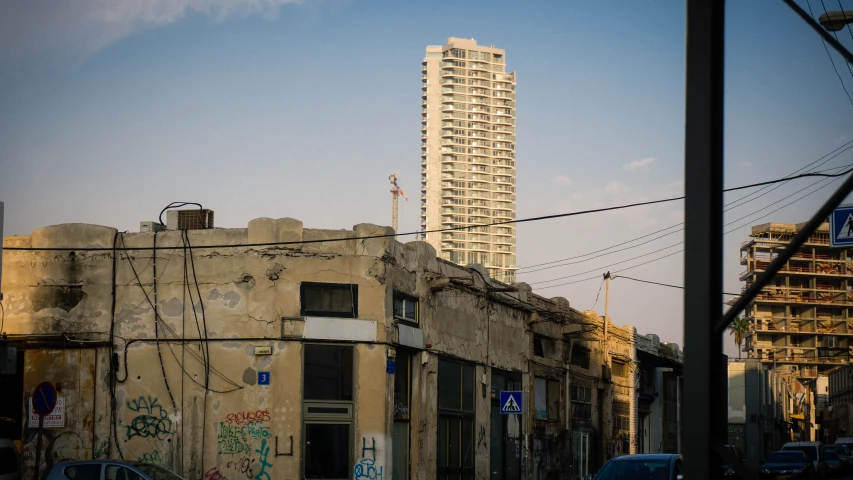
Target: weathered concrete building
[275,351]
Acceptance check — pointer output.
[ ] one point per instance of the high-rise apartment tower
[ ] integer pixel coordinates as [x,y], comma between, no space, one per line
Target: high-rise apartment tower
[468,155]
[804,318]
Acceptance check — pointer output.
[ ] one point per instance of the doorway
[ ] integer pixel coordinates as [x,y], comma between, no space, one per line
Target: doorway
[505,439]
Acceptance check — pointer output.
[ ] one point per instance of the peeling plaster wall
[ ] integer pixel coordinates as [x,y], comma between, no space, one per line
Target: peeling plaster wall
[251,297]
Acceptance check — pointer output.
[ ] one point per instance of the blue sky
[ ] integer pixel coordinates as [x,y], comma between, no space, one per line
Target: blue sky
[270,108]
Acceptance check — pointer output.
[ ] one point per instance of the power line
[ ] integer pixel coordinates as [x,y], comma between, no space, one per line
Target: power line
[622,270]
[809,3]
[669,255]
[550,264]
[438,230]
[663,284]
[679,243]
[729,206]
[836,33]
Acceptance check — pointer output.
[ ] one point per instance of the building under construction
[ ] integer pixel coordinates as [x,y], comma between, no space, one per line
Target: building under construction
[801,319]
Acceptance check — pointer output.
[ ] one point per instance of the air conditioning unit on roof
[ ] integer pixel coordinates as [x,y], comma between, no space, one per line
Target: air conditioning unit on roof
[191,219]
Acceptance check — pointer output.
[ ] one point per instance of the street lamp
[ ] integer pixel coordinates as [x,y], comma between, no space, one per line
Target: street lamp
[835,21]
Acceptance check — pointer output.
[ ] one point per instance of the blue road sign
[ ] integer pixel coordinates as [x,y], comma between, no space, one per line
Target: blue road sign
[44,398]
[841,227]
[263,378]
[510,402]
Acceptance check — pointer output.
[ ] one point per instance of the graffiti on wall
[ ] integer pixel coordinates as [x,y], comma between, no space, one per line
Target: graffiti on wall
[151,420]
[366,469]
[154,456]
[263,453]
[234,440]
[242,418]
[213,473]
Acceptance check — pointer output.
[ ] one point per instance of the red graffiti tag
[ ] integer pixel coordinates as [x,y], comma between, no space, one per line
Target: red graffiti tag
[214,474]
[241,418]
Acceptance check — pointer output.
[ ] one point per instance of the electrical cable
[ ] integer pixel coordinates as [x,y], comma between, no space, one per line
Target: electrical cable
[843,86]
[622,270]
[836,33]
[438,230]
[598,294]
[207,344]
[679,243]
[112,384]
[156,315]
[663,284]
[832,155]
[178,205]
[198,357]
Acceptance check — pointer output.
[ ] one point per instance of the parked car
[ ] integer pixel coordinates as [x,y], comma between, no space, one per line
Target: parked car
[109,470]
[728,470]
[834,465]
[815,453]
[646,466]
[788,464]
[10,461]
[843,451]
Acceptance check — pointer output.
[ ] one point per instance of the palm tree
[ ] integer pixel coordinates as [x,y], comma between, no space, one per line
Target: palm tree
[739,328]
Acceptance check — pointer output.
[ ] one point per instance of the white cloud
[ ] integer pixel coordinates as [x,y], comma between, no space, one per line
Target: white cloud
[613,188]
[637,164]
[746,164]
[79,28]
[563,181]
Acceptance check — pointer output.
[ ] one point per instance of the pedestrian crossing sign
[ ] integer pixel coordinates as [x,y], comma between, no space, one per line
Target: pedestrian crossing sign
[510,402]
[841,227]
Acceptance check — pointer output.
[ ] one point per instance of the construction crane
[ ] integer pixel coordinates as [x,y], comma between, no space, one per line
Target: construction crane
[396,192]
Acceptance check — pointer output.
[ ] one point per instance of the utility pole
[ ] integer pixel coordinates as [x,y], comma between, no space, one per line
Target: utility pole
[607,278]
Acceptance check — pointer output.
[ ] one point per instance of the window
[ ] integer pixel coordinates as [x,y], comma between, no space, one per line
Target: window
[406,308]
[328,373]
[581,402]
[543,346]
[621,417]
[620,369]
[83,472]
[580,357]
[546,398]
[115,472]
[455,420]
[329,300]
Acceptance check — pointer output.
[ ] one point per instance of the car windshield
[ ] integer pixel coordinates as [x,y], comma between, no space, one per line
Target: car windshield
[156,472]
[832,456]
[657,469]
[840,449]
[810,451]
[786,457]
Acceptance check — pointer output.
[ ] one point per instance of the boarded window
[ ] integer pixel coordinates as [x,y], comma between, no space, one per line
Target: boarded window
[328,372]
[329,300]
[620,369]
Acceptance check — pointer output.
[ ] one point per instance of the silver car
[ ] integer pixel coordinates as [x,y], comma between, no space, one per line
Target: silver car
[109,470]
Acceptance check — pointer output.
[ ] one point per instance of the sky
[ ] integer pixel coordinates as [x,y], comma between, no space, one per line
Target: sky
[279,108]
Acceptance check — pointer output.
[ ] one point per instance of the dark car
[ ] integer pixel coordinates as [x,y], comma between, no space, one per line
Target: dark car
[834,465]
[109,470]
[641,467]
[728,470]
[788,465]
[843,451]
